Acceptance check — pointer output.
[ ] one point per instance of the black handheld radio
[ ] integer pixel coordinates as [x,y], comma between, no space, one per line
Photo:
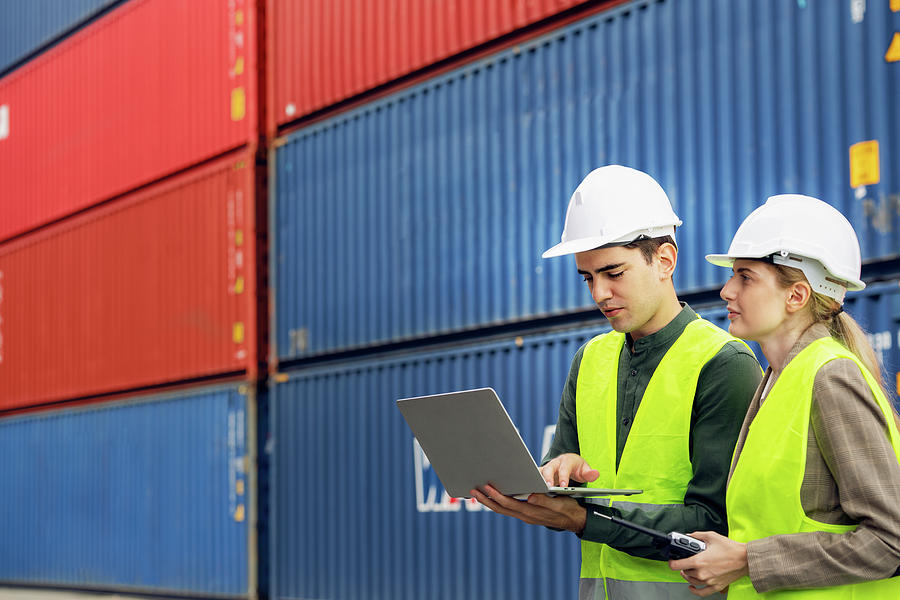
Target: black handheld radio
[674,545]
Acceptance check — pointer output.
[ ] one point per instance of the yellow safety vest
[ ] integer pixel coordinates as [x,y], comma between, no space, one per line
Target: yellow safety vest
[656,457]
[763,496]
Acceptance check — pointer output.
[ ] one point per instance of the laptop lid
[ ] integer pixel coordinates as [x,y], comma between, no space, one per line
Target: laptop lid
[470,441]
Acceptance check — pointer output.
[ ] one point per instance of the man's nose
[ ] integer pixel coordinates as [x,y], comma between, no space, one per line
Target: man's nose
[600,291]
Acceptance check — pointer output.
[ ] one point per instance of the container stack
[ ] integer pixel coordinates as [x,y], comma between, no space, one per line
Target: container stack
[407,232]
[128,313]
[381,178]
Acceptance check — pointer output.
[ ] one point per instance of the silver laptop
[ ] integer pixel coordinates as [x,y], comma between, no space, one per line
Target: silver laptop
[470,440]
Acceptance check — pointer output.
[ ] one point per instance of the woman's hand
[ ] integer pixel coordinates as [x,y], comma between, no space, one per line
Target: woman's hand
[723,562]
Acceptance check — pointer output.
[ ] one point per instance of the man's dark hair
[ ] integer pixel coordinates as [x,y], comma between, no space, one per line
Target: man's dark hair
[649,246]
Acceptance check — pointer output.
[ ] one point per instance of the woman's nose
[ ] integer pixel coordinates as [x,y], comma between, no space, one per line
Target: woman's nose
[727,292]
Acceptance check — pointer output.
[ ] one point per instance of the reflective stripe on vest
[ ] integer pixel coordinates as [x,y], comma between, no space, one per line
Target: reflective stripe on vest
[656,457]
[763,496]
[592,589]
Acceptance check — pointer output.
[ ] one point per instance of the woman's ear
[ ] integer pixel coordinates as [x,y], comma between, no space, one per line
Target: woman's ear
[798,296]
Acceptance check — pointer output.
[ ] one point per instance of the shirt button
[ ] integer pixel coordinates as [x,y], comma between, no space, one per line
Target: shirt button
[626,421]
[633,372]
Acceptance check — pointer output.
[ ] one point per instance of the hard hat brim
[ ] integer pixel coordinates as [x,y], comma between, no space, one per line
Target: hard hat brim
[573,247]
[724,260]
[593,242]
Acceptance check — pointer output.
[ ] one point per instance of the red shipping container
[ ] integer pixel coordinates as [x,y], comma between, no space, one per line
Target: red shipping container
[324,51]
[151,88]
[155,287]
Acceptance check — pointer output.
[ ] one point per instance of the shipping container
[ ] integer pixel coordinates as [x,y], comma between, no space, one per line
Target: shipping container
[151,88]
[154,288]
[148,494]
[426,212]
[27,28]
[404,537]
[324,51]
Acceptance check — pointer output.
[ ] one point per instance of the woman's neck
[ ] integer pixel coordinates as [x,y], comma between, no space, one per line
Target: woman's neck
[778,344]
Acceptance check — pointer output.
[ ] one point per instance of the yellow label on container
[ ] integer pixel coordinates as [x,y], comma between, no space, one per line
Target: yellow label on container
[864,168]
[895,5]
[237,332]
[239,285]
[238,237]
[893,51]
[239,513]
[239,65]
[239,17]
[238,104]
[239,487]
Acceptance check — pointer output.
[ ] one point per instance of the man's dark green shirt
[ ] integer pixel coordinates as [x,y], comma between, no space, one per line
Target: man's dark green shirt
[724,390]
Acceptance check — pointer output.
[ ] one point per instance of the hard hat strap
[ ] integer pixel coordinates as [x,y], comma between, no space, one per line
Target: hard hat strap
[815,273]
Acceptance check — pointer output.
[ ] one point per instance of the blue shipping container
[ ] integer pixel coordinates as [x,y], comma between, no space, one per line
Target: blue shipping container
[142,495]
[426,212]
[30,26]
[402,537]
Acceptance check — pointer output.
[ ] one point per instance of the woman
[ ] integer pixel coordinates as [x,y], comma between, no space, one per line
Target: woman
[813,497]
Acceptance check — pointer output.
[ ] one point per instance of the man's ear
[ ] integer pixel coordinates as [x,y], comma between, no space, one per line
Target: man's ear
[798,296]
[667,257]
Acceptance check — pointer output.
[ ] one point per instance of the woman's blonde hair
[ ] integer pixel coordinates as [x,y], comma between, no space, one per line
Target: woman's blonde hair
[841,326]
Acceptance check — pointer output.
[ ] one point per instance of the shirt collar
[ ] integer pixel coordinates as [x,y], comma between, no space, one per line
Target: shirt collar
[665,336]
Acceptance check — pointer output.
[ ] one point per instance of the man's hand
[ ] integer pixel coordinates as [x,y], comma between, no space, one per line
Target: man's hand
[566,467]
[722,563]
[558,512]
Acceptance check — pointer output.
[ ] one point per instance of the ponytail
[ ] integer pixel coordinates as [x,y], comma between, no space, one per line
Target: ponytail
[847,331]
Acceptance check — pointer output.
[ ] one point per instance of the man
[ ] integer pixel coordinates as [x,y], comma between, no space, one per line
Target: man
[656,404]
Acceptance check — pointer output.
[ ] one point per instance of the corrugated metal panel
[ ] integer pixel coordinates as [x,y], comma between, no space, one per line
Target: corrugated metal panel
[402,538]
[328,50]
[152,288]
[26,27]
[150,88]
[146,495]
[427,212]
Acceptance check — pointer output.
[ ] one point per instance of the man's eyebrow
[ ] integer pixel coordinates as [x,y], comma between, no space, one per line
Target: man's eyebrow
[602,269]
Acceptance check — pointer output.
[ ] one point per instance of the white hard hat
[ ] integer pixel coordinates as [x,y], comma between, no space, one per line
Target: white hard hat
[804,233]
[615,205]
